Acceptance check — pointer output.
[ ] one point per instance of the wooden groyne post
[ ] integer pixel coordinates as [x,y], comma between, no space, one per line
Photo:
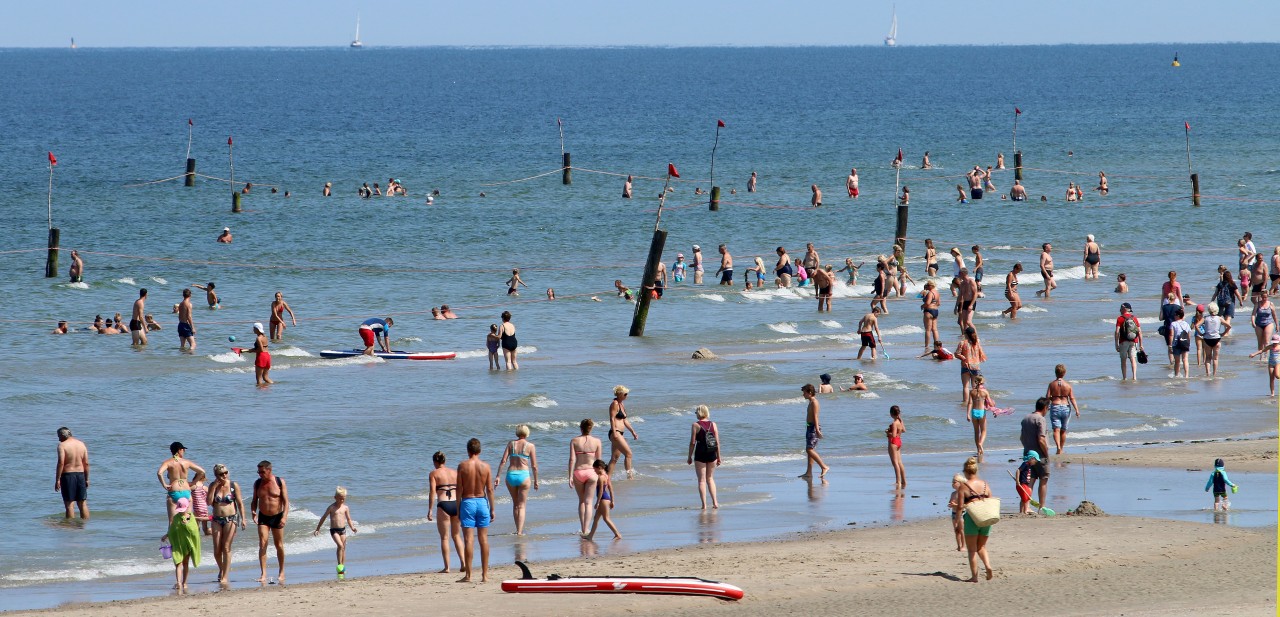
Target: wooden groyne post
[900,231]
[191,173]
[715,198]
[51,260]
[1017,165]
[1195,190]
[235,202]
[647,285]
[568,170]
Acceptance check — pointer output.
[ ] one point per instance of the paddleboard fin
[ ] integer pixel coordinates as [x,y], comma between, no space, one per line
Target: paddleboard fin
[525,575]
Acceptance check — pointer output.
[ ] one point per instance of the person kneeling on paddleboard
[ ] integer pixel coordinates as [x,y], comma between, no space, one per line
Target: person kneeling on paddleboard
[375,332]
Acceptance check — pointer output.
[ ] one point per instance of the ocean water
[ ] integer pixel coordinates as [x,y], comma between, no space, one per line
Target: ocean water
[467,121]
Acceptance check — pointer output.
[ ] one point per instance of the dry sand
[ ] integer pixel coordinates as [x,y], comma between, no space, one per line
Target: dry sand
[1068,565]
[1239,455]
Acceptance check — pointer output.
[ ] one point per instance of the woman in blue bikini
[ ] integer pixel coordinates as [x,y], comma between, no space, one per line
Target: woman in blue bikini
[524,461]
[976,403]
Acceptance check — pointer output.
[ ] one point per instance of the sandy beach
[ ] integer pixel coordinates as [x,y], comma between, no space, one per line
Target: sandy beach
[1066,565]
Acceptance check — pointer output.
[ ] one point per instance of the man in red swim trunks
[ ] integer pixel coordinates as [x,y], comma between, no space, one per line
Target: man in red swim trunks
[375,332]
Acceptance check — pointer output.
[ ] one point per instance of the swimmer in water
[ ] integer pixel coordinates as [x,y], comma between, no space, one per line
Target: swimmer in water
[210,295]
[514,283]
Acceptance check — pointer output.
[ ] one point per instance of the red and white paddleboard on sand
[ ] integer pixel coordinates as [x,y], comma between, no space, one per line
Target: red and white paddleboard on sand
[667,585]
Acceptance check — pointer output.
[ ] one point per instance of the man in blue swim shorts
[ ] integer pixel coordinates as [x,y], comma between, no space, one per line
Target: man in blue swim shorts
[726,267]
[1062,400]
[475,485]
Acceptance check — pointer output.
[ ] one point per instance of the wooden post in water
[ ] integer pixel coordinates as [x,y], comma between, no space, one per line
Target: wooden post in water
[568,170]
[1195,190]
[900,232]
[715,198]
[51,261]
[191,173]
[1017,165]
[647,285]
[235,202]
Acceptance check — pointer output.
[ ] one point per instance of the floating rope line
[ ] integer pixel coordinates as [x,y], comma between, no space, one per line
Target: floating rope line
[548,173]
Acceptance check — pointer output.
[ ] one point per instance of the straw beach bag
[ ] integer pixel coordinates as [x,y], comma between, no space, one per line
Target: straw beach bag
[984,512]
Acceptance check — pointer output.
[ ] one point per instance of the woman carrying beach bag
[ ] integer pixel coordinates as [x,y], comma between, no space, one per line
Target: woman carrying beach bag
[981,511]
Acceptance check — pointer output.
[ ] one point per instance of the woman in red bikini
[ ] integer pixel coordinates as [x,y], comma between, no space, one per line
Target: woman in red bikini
[894,433]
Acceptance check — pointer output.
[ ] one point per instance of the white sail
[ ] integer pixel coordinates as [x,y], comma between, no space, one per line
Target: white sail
[892,39]
[356,43]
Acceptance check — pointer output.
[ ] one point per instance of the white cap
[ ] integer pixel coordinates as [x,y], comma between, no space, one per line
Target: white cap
[697,248]
[226,229]
[257,327]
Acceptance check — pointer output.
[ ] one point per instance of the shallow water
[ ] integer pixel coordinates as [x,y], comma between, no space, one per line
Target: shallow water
[299,120]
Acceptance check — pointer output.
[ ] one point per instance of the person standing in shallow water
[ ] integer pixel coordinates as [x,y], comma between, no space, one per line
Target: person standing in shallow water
[894,433]
[617,423]
[72,476]
[813,432]
[704,454]
[523,457]
[507,340]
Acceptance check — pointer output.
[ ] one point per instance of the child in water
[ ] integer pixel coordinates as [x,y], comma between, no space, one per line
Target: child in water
[1122,285]
[623,290]
[1030,471]
[200,502]
[514,283]
[491,342]
[604,500]
[1219,482]
[1272,349]
[677,268]
[339,516]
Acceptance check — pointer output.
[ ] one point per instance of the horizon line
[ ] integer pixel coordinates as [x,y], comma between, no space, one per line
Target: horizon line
[367,46]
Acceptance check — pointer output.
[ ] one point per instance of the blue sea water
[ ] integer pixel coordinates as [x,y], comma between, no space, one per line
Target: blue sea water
[465,121]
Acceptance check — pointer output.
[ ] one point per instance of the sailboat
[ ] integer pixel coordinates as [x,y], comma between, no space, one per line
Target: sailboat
[73,42]
[892,39]
[356,44]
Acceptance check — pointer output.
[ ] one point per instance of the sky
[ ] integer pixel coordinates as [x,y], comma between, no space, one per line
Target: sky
[291,23]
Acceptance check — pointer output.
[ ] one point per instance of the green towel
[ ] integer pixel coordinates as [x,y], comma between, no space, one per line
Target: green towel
[184,536]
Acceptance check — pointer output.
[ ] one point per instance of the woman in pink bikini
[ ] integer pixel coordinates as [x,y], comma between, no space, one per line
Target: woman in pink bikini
[584,451]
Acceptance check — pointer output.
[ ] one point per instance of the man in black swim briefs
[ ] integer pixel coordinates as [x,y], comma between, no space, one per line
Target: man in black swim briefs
[72,476]
[270,508]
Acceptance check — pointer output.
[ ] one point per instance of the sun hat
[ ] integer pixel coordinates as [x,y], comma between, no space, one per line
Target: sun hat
[1032,455]
[182,504]
[678,255]
[1200,307]
[257,327]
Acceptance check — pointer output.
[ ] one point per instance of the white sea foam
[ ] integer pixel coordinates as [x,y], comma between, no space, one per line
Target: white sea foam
[293,352]
[475,353]
[526,349]
[782,401]
[553,425]
[409,339]
[127,281]
[902,330]
[228,357]
[742,461]
[712,297]
[542,402]
[786,327]
[830,323]
[159,280]
[76,285]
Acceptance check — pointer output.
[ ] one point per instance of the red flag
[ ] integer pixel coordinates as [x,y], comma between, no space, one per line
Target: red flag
[228,140]
[1188,125]
[190,123]
[671,170]
[899,159]
[1017,112]
[53,160]
[719,124]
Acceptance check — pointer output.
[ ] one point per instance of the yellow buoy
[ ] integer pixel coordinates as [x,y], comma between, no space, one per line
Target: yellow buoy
[1175,60]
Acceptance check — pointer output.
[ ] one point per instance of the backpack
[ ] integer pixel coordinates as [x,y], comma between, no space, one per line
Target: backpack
[1129,329]
[709,438]
[1182,342]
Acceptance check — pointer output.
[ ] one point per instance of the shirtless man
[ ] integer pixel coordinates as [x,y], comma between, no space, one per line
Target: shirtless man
[1258,277]
[816,200]
[697,260]
[137,327]
[1062,401]
[1017,192]
[751,183]
[851,183]
[810,261]
[475,484]
[869,331]
[726,267]
[210,296]
[1275,271]
[173,473]
[822,281]
[76,271]
[1046,271]
[270,510]
[966,299]
[225,237]
[186,327]
[975,183]
[626,188]
[72,476]
[278,308]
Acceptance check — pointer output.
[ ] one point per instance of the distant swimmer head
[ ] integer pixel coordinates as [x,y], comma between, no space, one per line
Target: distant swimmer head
[826,379]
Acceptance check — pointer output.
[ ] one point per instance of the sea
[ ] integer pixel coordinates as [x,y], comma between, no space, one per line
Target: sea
[483,127]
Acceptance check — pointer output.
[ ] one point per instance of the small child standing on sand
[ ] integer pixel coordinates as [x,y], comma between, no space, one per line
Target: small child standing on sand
[956,503]
[339,516]
[604,500]
[1219,482]
[200,502]
[1028,473]
[491,343]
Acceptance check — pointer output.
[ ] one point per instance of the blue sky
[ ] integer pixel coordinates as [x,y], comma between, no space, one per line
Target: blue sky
[231,23]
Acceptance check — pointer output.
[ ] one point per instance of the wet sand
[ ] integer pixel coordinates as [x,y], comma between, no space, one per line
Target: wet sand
[1067,565]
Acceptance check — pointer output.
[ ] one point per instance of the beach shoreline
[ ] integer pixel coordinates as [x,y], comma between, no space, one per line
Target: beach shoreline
[1107,564]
